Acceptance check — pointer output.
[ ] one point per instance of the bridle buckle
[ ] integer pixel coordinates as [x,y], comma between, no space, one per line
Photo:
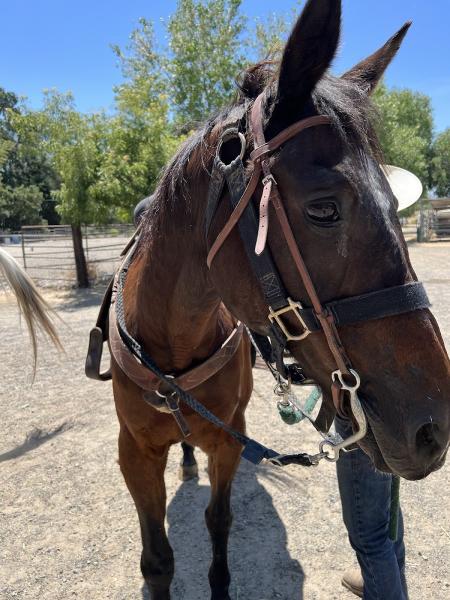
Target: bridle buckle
[295,307]
[268,178]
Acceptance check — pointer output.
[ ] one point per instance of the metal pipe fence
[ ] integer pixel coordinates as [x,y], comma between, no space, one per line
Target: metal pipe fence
[46,252]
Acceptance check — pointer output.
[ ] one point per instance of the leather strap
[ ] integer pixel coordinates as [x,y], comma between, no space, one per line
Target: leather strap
[326,319]
[188,380]
[235,215]
[287,134]
[263,218]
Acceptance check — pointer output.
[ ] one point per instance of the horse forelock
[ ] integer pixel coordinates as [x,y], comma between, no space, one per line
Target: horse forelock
[348,105]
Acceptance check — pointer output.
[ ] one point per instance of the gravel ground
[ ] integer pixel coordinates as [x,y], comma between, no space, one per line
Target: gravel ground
[68,527]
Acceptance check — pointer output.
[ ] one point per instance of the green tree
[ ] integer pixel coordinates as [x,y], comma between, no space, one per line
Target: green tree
[206,54]
[26,178]
[140,139]
[441,164]
[74,145]
[406,130]
[19,205]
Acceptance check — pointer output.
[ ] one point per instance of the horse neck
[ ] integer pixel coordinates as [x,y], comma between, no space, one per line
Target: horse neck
[171,305]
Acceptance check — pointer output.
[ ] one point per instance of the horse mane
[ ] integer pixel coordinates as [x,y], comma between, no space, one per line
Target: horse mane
[349,107]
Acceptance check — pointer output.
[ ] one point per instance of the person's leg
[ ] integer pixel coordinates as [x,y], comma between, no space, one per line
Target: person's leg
[365,496]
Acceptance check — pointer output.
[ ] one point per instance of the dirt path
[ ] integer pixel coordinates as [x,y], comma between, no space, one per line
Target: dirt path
[68,528]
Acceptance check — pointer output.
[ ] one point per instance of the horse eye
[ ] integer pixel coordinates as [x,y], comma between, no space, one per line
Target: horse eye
[323,212]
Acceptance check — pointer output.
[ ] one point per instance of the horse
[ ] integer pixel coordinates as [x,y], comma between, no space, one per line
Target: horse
[327,224]
[35,309]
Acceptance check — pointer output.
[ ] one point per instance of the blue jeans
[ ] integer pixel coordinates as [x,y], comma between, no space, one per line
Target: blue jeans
[365,496]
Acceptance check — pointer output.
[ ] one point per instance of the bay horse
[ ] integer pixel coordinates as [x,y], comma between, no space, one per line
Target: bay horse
[34,308]
[185,291]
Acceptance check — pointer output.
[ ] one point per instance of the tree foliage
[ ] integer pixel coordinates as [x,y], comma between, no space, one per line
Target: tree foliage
[205,56]
[441,163]
[19,205]
[26,177]
[140,139]
[406,130]
[74,146]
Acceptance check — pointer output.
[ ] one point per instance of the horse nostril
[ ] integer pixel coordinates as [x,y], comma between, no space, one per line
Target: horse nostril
[427,439]
[425,435]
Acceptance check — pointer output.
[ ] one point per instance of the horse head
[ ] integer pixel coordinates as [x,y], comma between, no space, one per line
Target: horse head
[343,216]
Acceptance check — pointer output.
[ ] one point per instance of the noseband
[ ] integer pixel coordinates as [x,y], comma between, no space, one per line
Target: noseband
[253,228]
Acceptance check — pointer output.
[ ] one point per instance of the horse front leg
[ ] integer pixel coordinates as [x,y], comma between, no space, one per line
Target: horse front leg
[144,475]
[222,464]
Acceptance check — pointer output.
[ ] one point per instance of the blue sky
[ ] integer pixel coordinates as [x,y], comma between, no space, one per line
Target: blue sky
[66,44]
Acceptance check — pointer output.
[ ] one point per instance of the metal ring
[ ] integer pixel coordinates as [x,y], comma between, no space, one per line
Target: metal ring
[336,449]
[228,135]
[161,395]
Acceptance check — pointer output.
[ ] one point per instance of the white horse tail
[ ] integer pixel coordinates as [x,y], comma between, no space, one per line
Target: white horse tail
[32,305]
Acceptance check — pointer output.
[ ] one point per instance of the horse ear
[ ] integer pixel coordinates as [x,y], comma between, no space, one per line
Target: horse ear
[310,49]
[368,72]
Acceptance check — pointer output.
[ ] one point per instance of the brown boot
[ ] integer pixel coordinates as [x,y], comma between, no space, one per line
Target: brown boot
[353,581]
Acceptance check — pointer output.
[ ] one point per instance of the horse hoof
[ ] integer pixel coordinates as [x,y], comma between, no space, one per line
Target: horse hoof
[188,472]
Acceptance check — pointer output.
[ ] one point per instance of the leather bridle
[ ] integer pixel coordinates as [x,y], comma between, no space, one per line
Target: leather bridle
[253,229]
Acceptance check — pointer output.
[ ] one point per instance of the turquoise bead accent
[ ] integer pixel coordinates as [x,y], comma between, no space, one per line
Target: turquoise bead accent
[312,400]
[292,415]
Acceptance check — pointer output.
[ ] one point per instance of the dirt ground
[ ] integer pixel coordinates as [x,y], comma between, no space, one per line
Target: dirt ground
[68,528]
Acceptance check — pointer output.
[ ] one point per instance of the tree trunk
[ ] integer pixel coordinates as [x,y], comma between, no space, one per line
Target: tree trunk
[80,259]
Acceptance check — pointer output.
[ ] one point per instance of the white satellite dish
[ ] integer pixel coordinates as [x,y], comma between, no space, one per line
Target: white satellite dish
[406,187]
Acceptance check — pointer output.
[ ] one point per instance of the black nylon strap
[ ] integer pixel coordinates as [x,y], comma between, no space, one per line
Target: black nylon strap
[234,176]
[263,266]
[374,305]
[217,180]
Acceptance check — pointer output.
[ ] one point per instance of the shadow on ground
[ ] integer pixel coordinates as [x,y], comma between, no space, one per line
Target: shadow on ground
[33,440]
[81,298]
[260,564]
